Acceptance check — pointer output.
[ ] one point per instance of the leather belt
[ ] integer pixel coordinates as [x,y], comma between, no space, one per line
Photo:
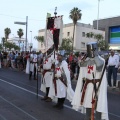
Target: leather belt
[87,81]
[55,84]
[44,73]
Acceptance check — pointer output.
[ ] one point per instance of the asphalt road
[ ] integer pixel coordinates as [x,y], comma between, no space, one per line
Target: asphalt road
[18,100]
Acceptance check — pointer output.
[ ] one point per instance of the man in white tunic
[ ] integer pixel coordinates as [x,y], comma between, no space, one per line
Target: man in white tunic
[61,85]
[91,89]
[47,74]
[33,65]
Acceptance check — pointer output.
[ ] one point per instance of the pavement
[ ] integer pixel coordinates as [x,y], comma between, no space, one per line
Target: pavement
[18,100]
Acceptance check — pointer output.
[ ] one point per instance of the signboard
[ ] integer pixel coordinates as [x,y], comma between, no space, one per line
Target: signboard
[115,35]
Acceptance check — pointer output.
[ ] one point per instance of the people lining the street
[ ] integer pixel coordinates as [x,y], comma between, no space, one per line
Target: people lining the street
[113,63]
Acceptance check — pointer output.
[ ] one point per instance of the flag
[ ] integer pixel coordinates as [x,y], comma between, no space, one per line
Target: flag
[53,32]
[48,15]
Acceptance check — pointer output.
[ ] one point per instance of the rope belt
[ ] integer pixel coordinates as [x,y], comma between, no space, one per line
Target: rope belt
[87,81]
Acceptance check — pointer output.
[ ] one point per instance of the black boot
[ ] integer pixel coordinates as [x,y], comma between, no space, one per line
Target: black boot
[48,98]
[30,75]
[35,78]
[61,103]
[58,104]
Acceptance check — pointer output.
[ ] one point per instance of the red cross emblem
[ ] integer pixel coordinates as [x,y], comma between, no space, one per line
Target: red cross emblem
[58,68]
[89,69]
[53,29]
[46,61]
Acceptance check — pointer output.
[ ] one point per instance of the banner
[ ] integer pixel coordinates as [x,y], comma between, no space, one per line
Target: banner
[53,33]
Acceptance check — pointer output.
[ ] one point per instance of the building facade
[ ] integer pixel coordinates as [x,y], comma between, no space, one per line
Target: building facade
[111,26]
[80,38]
[19,42]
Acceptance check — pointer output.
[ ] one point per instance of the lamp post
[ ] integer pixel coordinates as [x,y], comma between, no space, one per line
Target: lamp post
[24,23]
[31,36]
[98,14]
[31,42]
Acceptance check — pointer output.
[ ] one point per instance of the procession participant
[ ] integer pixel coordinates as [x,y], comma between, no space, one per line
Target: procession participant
[61,85]
[33,65]
[47,74]
[27,57]
[91,89]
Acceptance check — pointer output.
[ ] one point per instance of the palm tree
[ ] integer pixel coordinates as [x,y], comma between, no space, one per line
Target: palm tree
[40,39]
[7,31]
[3,41]
[20,34]
[75,14]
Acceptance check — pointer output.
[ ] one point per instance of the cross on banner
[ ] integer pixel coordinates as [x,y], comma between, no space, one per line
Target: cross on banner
[53,29]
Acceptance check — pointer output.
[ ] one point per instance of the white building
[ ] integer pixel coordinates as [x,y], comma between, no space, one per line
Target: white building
[19,42]
[80,39]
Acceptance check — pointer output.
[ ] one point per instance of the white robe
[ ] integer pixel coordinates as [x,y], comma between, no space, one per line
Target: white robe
[62,90]
[33,57]
[28,66]
[47,78]
[102,105]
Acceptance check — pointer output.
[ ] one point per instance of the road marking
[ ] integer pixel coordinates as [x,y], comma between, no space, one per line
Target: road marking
[2,117]
[7,77]
[18,108]
[42,96]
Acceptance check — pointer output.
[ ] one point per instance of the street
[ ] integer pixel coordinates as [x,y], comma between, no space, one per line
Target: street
[18,100]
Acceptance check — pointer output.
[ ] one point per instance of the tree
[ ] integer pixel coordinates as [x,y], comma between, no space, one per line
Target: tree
[75,14]
[3,41]
[90,35]
[98,37]
[66,44]
[40,39]
[20,34]
[1,47]
[10,45]
[103,45]
[7,31]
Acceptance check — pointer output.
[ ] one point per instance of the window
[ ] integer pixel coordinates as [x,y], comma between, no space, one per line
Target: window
[68,34]
[83,34]
[82,44]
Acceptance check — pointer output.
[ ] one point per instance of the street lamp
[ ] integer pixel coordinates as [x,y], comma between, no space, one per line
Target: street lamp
[31,36]
[31,42]
[24,23]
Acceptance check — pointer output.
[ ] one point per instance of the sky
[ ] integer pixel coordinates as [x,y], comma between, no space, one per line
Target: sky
[36,10]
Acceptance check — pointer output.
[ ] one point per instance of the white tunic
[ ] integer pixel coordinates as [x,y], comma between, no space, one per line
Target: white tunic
[28,66]
[48,76]
[62,90]
[33,57]
[102,94]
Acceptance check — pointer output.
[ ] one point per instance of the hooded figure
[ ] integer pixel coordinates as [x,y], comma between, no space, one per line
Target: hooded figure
[91,90]
[61,85]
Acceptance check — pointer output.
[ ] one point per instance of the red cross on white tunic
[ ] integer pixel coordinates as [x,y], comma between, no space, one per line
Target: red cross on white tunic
[46,61]
[58,68]
[89,69]
[52,29]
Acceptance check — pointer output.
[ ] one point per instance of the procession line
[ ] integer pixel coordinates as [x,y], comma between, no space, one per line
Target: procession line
[42,96]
